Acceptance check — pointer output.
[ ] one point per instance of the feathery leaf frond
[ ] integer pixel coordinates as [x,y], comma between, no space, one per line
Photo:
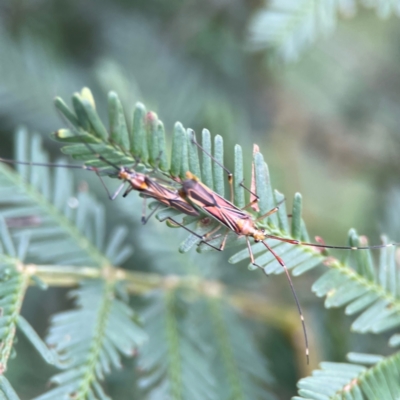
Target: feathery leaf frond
[287,27]
[91,338]
[14,283]
[64,226]
[6,390]
[188,358]
[69,232]
[337,381]
[374,292]
[15,278]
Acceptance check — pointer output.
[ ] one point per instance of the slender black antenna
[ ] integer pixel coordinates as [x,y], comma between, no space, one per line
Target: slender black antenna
[8,161]
[326,246]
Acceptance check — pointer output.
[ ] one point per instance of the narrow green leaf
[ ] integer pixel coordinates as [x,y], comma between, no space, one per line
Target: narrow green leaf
[239,178]
[363,358]
[308,394]
[80,112]
[218,172]
[188,243]
[138,138]
[7,389]
[64,109]
[71,136]
[39,283]
[304,236]
[392,273]
[21,152]
[207,168]
[98,128]
[344,293]
[375,386]
[23,245]
[327,281]
[394,341]
[365,266]
[151,121]
[162,146]
[361,303]
[48,355]
[185,155]
[307,265]
[388,323]
[118,128]
[280,201]
[383,264]
[86,94]
[261,183]
[194,162]
[296,216]
[177,146]
[6,238]
[356,393]
[369,317]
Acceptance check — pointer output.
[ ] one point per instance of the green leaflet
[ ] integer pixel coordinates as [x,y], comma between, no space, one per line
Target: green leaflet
[342,381]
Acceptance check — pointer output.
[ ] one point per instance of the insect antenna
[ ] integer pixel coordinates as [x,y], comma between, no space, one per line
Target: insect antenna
[9,161]
[327,246]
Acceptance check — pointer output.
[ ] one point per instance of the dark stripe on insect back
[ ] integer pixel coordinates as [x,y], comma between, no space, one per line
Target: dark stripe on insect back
[201,197]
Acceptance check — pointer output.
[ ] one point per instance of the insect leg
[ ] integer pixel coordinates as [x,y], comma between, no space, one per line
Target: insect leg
[270,212]
[189,230]
[144,218]
[117,192]
[210,237]
[281,262]
[229,173]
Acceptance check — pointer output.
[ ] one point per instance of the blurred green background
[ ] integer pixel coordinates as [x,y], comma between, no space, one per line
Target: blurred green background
[327,124]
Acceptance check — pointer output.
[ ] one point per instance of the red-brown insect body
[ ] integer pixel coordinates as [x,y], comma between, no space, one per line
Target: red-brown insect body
[222,210]
[151,188]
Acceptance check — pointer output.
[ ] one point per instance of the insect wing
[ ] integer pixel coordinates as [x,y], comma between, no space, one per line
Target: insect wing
[170,198]
[214,205]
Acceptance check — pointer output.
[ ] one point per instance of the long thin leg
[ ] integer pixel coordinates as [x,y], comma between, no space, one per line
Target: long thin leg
[189,230]
[270,212]
[230,175]
[117,192]
[144,218]
[223,243]
[281,262]
[127,191]
[144,203]
[210,233]
[251,192]
[250,204]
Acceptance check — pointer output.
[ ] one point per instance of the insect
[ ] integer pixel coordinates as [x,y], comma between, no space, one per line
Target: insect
[244,224]
[148,187]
